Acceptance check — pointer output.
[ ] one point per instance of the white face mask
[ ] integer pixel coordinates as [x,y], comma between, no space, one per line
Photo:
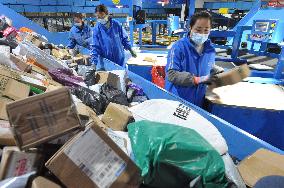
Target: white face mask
[103,20]
[78,24]
[199,38]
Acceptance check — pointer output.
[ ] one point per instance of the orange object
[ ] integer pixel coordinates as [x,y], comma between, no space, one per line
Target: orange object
[32,61]
[25,30]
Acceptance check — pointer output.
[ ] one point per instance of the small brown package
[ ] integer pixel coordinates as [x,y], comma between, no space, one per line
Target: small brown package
[3,112]
[6,135]
[117,117]
[109,78]
[233,76]
[20,63]
[16,163]
[41,182]
[260,164]
[43,117]
[93,160]
[16,90]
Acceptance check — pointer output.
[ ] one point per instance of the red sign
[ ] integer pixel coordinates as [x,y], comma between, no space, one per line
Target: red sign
[276,3]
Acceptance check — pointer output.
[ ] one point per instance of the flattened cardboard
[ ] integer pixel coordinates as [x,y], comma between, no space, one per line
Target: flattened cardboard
[6,135]
[41,118]
[17,163]
[3,112]
[260,164]
[117,117]
[16,90]
[78,176]
[109,78]
[41,182]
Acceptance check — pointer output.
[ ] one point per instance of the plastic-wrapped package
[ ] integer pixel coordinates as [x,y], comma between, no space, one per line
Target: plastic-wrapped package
[4,60]
[65,77]
[139,90]
[90,98]
[114,95]
[16,182]
[32,52]
[122,75]
[172,156]
[232,172]
[174,112]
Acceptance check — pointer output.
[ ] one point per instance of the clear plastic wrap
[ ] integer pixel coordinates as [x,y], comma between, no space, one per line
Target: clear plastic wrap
[32,52]
[232,172]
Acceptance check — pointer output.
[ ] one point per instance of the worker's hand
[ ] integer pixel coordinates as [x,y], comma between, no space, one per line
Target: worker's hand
[133,53]
[210,81]
[200,80]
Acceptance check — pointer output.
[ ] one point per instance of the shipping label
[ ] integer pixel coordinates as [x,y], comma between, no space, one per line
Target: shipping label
[96,159]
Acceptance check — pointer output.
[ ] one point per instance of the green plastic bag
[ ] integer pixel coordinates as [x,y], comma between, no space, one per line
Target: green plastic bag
[172,156]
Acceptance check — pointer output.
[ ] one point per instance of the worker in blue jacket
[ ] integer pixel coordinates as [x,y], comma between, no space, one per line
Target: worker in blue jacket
[109,39]
[80,35]
[191,60]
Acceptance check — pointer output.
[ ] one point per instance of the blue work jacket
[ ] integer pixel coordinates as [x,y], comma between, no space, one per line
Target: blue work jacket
[80,37]
[109,43]
[183,57]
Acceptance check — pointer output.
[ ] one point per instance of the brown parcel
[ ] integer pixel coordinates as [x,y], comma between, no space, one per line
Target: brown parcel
[93,160]
[20,63]
[117,117]
[3,103]
[41,182]
[109,78]
[260,164]
[43,117]
[16,163]
[233,76]
[16,90]
[6,135]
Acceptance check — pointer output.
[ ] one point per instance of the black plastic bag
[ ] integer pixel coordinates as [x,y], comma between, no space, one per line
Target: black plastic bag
[113,95]
[90,98]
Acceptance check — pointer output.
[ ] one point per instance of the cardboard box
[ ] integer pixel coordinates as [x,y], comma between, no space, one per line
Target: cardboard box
[233,76]
[111,79]
[43,117]
[3,112]
[87,60]
[61,53]
[95,120]
[260,164]
[16,90]
[20,63]
[93,160]
[3,83]
[16,163]
[33,39]
[79,60]
[52,88]
[6,135]
[117,117]
[41,182]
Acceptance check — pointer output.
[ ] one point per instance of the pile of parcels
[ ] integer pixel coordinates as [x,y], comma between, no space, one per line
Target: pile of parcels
[55,131]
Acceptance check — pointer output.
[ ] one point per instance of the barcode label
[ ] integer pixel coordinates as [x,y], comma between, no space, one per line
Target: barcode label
[96,159]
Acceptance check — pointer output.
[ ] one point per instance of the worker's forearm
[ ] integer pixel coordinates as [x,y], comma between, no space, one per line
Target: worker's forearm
[184,79]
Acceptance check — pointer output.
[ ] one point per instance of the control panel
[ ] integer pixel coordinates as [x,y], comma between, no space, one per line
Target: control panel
[270,31]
